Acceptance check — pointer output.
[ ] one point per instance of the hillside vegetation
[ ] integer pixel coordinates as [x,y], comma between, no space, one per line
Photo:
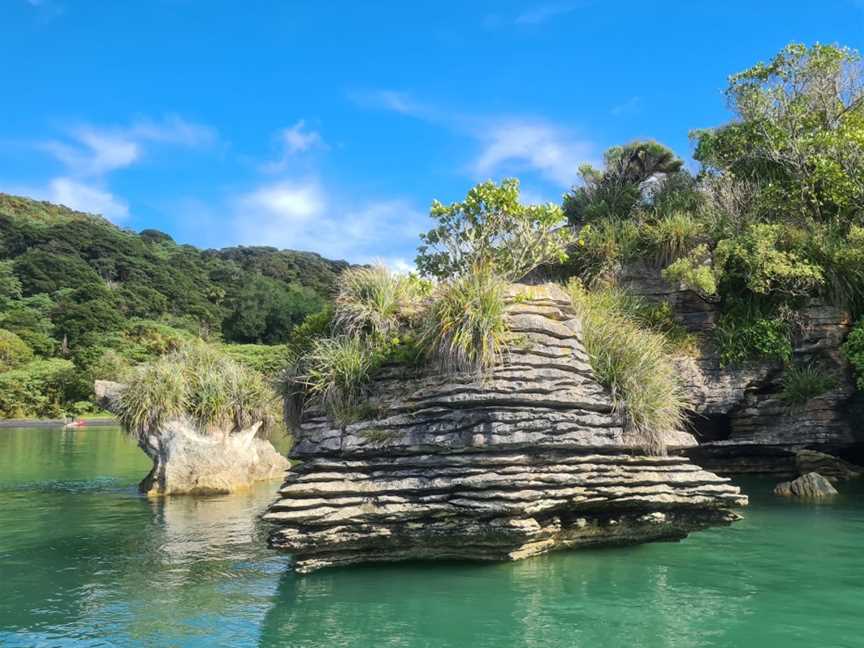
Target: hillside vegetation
[81,299]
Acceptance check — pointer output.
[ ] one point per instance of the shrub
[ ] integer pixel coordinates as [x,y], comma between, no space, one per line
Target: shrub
[216,393]
[491,226]
[37,389]
[741,339]
[376,302]
[464,328]
[14,351]
[853,350]
[801,383]
[602,247]
[694,272]
[633,364]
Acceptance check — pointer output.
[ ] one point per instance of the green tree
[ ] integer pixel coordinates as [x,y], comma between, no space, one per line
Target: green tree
[492,227]
[798,132]
[616,190]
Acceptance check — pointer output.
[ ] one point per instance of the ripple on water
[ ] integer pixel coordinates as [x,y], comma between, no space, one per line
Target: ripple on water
[86,561]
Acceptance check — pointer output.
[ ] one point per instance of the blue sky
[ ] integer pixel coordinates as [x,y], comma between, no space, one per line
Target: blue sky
[330,126]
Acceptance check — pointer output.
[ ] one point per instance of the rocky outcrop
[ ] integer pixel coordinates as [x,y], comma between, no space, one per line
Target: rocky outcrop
[189,462]
[529,459]
[740,419]
[810,485]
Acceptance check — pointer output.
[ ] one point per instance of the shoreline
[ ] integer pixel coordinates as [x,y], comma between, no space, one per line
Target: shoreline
[27,423]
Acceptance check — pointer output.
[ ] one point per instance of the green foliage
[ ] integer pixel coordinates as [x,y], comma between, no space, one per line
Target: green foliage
[798,132]
[373,301]
[693,271]
[74,285]
[804,382]
[671,237]
[491,227]
[853,350]
[39,388]
[217,394]
[338,370]
[633,363]
[744,335]
[13,351]
[268,359]
[614,192]
[464,328]
[767,260]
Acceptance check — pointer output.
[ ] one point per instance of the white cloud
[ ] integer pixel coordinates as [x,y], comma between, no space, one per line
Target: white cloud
[542,13]
[284,203]
[296,214]
[294,141]
[398,102]
[77,195]
[551,151]
[91,151]
[508,145]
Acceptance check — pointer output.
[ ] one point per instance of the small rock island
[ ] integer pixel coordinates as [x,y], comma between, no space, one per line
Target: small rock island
[529,457]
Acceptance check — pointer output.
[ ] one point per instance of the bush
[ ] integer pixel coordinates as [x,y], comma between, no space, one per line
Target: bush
[264,358]
[14,352]
[853,350]
[633,364]
[742,339]
[37,389]
[492,227]
[801,383]
[217,394]
[693,272]
[464,328]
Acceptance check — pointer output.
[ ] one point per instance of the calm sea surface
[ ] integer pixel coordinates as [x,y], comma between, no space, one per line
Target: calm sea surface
[86,561]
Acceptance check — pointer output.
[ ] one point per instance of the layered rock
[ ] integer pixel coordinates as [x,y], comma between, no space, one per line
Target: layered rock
[528,459]
[188,461]
[741,421]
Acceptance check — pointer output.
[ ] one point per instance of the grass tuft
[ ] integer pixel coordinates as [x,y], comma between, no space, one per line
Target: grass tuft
[633,363]
[801,383]
[464,328]
[216,393]
[374,301]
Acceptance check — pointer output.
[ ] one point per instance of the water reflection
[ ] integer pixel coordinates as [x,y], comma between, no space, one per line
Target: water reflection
[85,560]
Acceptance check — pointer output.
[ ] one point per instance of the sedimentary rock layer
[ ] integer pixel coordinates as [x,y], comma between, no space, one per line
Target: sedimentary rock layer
[532,458]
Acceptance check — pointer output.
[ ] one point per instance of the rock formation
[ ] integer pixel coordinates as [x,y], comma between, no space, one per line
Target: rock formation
[810,485]
[741,422]
[529,459]
[187,461]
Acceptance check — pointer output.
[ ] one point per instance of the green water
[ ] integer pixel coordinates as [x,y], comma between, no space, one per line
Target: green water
[86,561]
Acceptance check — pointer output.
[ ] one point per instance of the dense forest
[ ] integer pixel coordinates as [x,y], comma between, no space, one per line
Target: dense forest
[82,299]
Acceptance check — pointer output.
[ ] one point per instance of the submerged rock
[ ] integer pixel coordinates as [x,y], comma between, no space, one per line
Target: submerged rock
[187,461]
[530,459]
[810,485]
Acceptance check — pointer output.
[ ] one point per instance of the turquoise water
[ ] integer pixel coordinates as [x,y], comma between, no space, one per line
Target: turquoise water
[86,561]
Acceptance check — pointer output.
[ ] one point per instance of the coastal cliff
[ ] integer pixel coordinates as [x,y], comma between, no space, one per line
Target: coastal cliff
[740,418]
[530,458]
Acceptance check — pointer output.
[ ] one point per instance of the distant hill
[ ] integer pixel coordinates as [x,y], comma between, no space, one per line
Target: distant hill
[78,260]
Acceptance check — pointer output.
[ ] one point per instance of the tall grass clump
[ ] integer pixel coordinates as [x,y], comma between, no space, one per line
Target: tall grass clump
[464,328]
[801,383]
[633,363]
[217,394]
[337,370]
[671,237]
[374,301]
